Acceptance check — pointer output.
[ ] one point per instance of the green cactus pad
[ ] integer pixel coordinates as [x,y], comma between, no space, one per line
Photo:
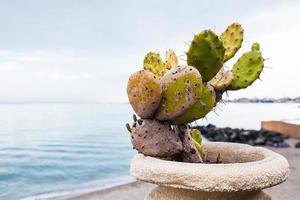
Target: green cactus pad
[206,53]
[154,63]
[182,87]
[197,139]
[196,135]
[232,39]
[144,93]
[247,69]
[201,108]
[171,59]
[222,80]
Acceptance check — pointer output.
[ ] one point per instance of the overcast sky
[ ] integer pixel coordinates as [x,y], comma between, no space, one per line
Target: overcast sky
[84,51]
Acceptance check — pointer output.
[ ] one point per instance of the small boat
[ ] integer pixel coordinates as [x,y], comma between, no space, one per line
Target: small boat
[285,128]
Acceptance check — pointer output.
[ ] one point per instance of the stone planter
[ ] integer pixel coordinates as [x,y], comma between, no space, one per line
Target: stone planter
[244,172]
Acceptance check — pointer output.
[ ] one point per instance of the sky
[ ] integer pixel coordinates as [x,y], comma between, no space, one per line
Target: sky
[85,51]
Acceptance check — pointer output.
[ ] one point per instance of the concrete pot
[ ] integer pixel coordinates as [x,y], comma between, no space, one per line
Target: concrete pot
[244,172]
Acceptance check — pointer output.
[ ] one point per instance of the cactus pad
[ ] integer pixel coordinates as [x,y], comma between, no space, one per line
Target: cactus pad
[182,87]
[171,59]
[154,63]
[197,139]
[154,138]
[247,69]
[144,93]
[196,135]
[201,108]
[206,53]
[222,80]
[232,39]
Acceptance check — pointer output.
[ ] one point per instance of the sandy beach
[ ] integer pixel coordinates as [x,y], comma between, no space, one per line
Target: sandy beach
[289,190]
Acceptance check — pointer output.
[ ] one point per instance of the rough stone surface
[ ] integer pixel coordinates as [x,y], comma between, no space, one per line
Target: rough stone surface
[244,168]
[168,193]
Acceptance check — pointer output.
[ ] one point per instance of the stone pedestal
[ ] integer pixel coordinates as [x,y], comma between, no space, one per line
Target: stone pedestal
[244,172]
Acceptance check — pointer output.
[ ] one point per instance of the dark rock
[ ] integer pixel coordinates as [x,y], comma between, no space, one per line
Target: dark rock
[253,137]
[281,145]
[297,145]
[260,141]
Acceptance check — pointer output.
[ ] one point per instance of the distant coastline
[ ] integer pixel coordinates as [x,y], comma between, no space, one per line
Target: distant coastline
[265,100]
[237,100]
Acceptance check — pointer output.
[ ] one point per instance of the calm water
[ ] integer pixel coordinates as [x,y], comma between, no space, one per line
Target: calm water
[48,148]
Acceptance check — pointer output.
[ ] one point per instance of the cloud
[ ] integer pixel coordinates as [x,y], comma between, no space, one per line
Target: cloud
[90,59]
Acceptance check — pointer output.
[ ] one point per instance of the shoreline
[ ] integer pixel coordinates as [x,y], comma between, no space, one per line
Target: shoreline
[129,191]
[82,189]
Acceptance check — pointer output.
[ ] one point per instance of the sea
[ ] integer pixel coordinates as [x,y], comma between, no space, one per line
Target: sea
[48,150]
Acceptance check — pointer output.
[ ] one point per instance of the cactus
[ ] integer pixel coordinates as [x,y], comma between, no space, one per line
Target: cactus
[232,39]
[222,80]
[182,87]
[171,59]
[167,96]
[201,108]
[154,138]
[247,69]
[206,53]
[154,63]
[144,93]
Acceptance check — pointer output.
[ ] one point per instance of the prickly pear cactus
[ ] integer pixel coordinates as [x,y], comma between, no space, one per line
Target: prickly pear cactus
[167,96]
[232,39]
[206,53]
[182,87]
[154,138]
[171,59]
[154,63]
[144,93]
[222,80]
[201,108]
[247,69]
